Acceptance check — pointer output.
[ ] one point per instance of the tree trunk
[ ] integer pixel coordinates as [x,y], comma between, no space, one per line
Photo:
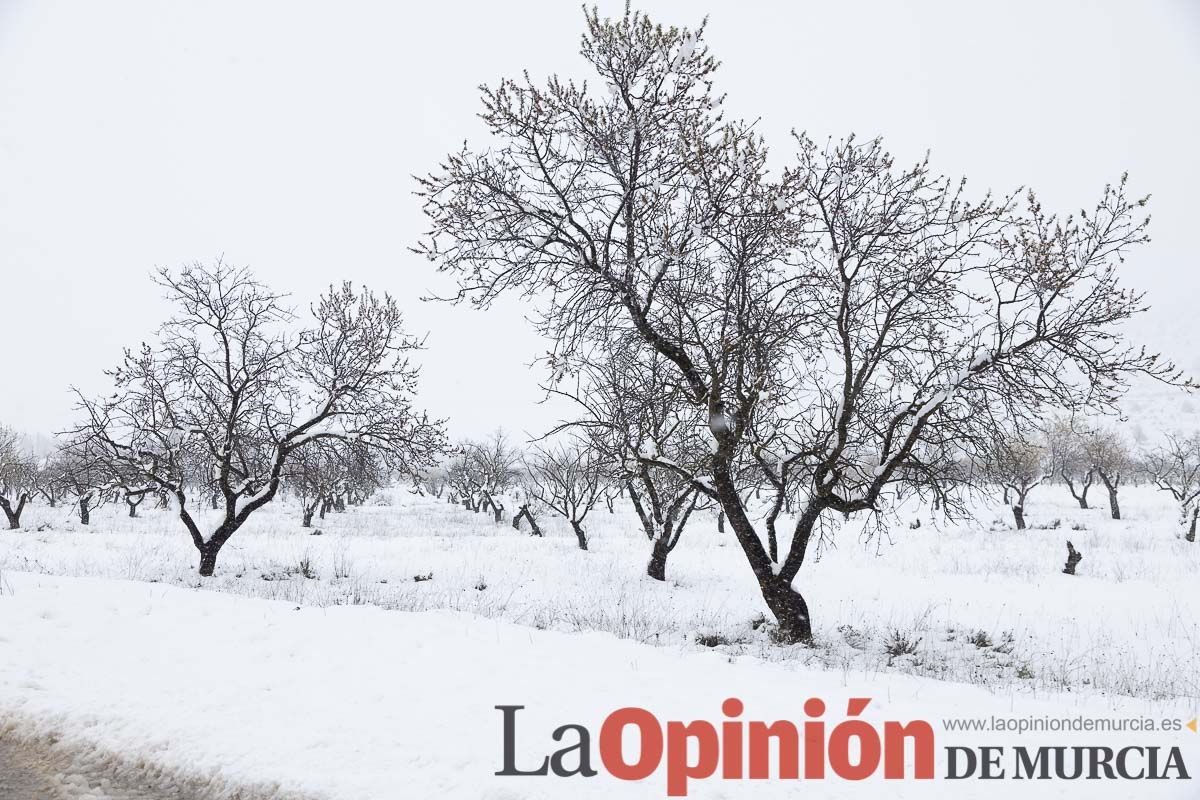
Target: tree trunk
[1082,494]
[580,535]
[85,510]
[794,625]
[534,530]
[721,522]
[1019,516]
[1073,559]
[1113,485]
[657,568]
[306,522]
[1191,534]
[1113,505]
[208,559]
[789,608]
[13,513]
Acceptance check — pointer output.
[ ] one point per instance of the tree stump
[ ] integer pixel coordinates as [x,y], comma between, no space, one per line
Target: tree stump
[1073,558]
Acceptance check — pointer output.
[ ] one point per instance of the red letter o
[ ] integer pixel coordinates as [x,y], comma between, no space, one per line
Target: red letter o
[612,733]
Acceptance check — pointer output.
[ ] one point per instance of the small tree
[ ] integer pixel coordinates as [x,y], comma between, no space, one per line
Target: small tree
[1109,454]
[1175,468]
[18,473]
[233,388]
[568,480]
[493,468]
[632,416]
[1018,465]
[1068,459]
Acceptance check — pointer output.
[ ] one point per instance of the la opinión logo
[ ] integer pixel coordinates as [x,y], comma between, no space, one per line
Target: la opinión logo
[733,748]
[634,744]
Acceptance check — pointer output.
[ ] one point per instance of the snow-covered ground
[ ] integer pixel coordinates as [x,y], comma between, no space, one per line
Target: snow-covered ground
[359,702]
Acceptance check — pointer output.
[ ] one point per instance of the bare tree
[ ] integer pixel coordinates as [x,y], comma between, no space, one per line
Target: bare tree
[326,470]
[494,466]
[631,416]
[1019,465]
[872,322]
[1110,457]
[566,479]
[230,385]
[18,471]
[1175,468]
[1065,439]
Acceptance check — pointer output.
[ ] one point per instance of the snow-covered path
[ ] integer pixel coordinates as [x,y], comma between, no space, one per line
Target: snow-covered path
[362,704]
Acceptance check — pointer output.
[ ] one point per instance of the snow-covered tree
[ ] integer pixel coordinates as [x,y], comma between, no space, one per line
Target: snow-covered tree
[232,385]
[1019,465]
[1065,439]
[566,479]
[1175,468]
[18,476]
[874,322]
[631,416]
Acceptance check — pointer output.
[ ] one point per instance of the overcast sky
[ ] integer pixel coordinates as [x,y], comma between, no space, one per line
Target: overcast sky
[284,135]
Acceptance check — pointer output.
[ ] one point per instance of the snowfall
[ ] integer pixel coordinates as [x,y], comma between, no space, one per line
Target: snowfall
[367,661]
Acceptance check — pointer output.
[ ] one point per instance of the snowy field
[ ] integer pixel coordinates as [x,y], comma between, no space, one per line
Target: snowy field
[307,696]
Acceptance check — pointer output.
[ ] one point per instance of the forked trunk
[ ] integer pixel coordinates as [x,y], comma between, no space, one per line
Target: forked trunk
[789,608]
[13,513]
[657,568]
[534,530]
[580,535]
[794,624]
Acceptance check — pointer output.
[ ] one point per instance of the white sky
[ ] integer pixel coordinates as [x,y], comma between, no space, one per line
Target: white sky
[136,134]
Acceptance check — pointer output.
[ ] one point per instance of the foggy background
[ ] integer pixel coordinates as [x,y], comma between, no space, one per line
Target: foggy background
[284,136]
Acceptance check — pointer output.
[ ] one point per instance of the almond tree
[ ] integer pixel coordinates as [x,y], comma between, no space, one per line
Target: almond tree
[317,473]
[1109,454]
[871,322]
[231,385]
[1065,439]
[1019,465]
[18,471]
[631,416]
[1175,468]
[83,474]
[566,479]
[493,467]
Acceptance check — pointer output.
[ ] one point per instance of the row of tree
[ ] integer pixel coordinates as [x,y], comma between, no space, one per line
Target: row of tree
[234,398]
[1082,457]
[802,343]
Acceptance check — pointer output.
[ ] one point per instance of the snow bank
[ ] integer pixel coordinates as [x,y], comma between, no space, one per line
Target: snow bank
[362,703]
